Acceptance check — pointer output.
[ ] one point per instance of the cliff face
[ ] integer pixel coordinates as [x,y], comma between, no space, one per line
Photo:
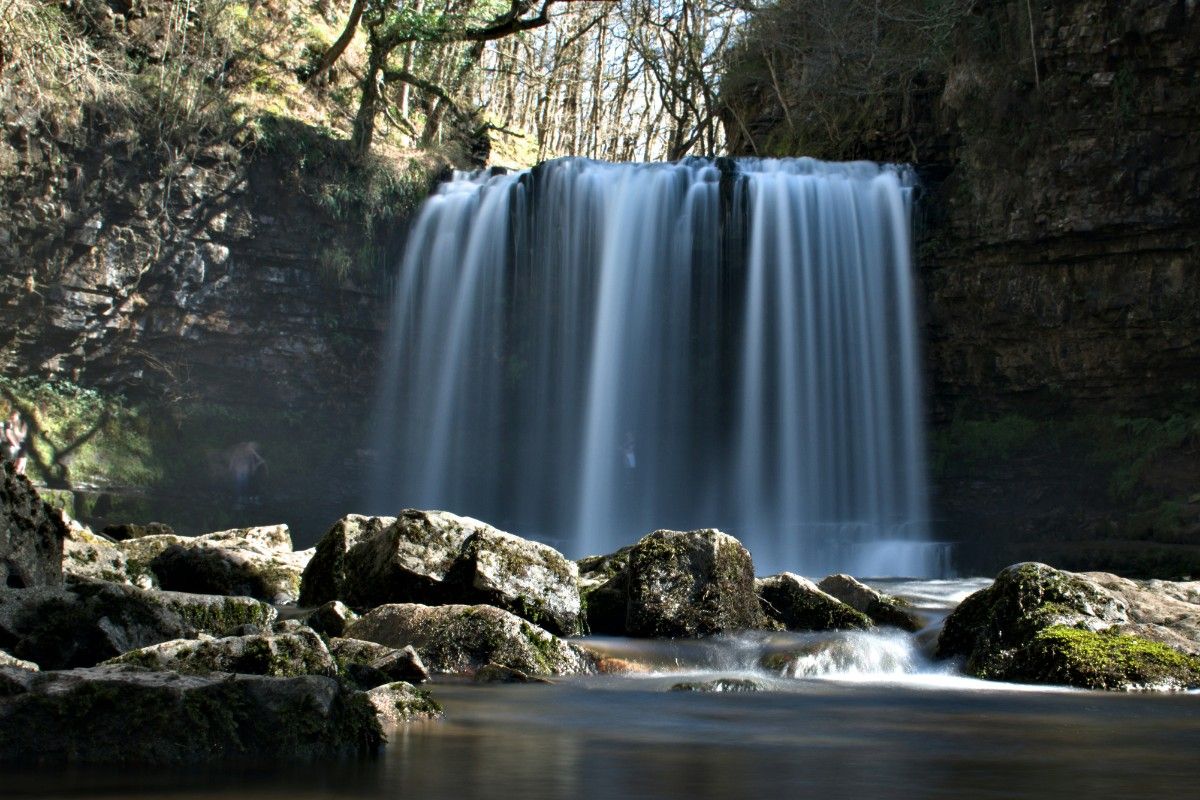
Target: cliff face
[1059,248]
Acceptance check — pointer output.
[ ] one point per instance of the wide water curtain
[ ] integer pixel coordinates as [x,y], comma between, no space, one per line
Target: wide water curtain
[584,352]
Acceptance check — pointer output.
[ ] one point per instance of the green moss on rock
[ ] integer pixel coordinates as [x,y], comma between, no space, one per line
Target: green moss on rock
[1104,660]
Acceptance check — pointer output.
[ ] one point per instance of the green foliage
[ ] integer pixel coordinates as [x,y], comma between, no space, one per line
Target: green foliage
[80,436]
[976,440]
[1106,660]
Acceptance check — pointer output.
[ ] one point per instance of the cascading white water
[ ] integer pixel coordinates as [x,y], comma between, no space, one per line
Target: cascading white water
[584,352]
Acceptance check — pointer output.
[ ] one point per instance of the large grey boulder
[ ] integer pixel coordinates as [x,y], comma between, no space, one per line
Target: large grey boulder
[461,639]
[883,609]
[1042,625]
[114,715]
[331,618]
[368,561]
[89,622]
[96,558]
[799,605]
[532,580]
[326,575]
[31,535]
[369,664]
[283,655]
[253,562]
[399,702]
[685,584]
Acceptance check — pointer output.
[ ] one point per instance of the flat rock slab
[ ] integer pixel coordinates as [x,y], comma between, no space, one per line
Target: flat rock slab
[86,623]
[462,639]
[282,655]
[113,716]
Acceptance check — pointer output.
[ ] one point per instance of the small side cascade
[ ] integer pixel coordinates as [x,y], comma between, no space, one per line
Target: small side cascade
[584,352]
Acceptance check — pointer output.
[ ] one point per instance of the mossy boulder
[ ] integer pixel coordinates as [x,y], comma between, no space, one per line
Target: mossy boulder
[133,530]
[530,579]
[1039,624]
[883,609]
[331,618]
[113,716]
[399,702]
[279,655]
[325,577]
[369,664]
[89,622]
[799,605]
[1104,660]
[31,535]
[604,591]
[461,639]
[92,557]
[253,562]
[687,584]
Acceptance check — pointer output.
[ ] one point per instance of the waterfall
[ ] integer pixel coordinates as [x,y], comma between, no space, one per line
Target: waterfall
[584,352]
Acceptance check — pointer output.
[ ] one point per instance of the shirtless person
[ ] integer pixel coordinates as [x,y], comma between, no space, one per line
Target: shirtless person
[15,432]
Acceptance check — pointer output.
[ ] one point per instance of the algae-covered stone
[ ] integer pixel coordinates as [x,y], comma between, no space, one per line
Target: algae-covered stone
[133,530]
[89,622]
[400,702]
[1104,660]
[325,577]
[800,605]
[31,535]
[1039,624]
[529,579]
[278,655]
[86,555]
[604,591]
[111,715]
[692,583]
[331,618]
[883,609]
[718,685]
[462,639]
[255,562]
[369,664]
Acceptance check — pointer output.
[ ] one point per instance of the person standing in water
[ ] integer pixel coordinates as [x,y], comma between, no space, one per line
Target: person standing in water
[16,430]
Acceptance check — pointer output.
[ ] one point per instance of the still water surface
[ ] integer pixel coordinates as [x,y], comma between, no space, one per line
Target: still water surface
[875,720]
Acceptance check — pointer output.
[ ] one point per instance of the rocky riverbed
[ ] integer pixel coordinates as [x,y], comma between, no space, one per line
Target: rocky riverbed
[158,648]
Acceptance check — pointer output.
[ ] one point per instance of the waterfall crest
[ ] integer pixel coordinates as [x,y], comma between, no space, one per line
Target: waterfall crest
[584,352]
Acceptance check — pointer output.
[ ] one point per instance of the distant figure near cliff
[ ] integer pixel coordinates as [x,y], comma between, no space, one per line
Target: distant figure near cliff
[244,461]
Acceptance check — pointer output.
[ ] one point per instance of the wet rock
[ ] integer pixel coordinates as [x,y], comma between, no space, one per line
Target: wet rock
[31,535]
[112,715]
[325,577]
[883,609]
[1042,625]
[800,605]
[461,639]
[498,673]
[604,591]
[130,530]
[331,619]
[7,660]
[86,623]
[369,664]
[279,655]
[692,583]
[399,702]
[721,685]
[254,562]
[529,579]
